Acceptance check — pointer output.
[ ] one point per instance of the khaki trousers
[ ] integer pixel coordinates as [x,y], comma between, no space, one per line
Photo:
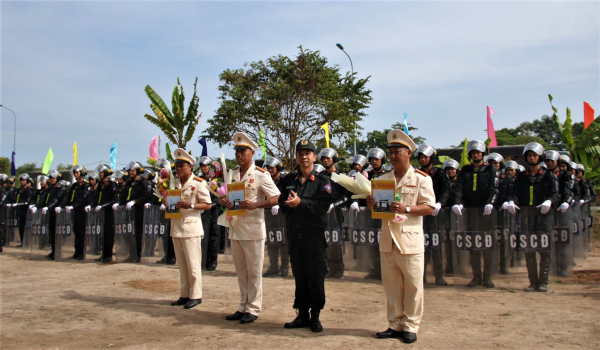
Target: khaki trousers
[248,260]
[188,253]
[402,277]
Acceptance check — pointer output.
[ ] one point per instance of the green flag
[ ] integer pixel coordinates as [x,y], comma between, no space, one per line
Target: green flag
[464,158]
[263,144]
[48,162]
[168,149]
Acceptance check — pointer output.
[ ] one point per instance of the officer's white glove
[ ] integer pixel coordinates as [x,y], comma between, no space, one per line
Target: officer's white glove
[33,210]
[331,206]
[354,206]
[545,207]
[115,206]
[14,205]
[44,210]
[162,207]
[8,205]
[563,207]
[438,207]
[275,210]
[147,205]
[362,208]
[512,207]
[57,210]
[68,209]
[87,208]
[581,201]
[487,210]
[98,208]
[31,206]
[129,205]
[504,206]
[457,209]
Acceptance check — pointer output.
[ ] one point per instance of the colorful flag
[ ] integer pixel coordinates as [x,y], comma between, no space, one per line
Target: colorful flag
[464,157]
[588,115]
[168,150]
[13,169]
[202,142]
[262,144]
[406,123]
[154,148]
[75,153]
[326,128]
[490,127]
[48,162]
[113,156]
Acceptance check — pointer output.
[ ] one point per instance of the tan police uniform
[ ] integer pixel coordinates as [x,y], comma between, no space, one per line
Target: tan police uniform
[187,232]
[248,233]
[402,247]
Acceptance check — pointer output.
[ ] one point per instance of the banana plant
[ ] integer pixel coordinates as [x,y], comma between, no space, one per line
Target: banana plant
[177,125]
[583,149]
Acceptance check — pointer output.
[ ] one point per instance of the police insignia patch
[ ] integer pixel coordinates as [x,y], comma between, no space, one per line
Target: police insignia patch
[304,142]
[327,188]
[312,178]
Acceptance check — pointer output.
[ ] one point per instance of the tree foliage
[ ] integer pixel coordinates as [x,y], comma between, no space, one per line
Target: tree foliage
[289,98]
[27,168]
[4,165]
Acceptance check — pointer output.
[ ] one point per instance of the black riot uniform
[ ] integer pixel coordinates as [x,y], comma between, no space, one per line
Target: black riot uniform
[306,225]
[475,188]
[136,190]
[566,182]
[441,188]
[77,197]
[335,257]
[505,187]
[108,196]
[55,198]
[447,223]
[211,229]
[23,198]
[543,186]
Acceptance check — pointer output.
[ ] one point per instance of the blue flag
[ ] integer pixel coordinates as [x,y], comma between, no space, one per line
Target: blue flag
[406,123]
[202,142]
[13,169]
[113,156]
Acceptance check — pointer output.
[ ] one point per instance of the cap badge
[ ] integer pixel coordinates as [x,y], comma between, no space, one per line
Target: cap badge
[394,136]
[239,138]
[304,142]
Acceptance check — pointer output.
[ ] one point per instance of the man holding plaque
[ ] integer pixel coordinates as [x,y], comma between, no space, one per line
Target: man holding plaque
[247,231]
[402,244]
[186,231]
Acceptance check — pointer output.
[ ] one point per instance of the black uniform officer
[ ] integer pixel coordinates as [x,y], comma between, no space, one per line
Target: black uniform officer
[441,188]
[209,217]
[476,188]
[135,194]
[537,187]
[451,168]
[76,201]
[54,199]
[22,201]
[506,180]
[274,167]
[108,195]
[305,198]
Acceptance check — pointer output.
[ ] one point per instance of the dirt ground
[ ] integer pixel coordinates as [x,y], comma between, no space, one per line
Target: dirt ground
[69,305]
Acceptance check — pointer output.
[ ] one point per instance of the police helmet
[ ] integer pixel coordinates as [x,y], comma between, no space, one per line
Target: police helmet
[580,167]
[564,159]
[11,180]
[520,168]
[535,147]
[376,153]
[93,175]
[120,174]
[573,165]
[53,174]
[318,168]
[148,174]
[204,160]
[163,163]
[101,168]
[331,153]
[359,159]
[64,183]
[511,164]
[274,162]
[3,178]
[543,165]
[136,166]
[551,155]
[475,145]
[427,150]
[78,168]
[451,163]
[495,157]
[24,177]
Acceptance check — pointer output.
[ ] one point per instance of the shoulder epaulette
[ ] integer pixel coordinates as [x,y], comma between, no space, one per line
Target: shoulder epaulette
[421,172]
[261,169]
[235,167]
[198,178]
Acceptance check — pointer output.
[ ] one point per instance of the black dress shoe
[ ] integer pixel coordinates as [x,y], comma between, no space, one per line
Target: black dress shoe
[301,321]
[171,261]
[248,318]
[106,259]
[50,256]
[236,316]
[410,337]
[285,272]
[389,333]
[211,266]
[81,257]
[192,303]
[180,301]
[162,261]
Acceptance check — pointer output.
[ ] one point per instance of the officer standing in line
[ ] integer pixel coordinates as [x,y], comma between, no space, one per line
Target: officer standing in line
[402,244]
[451,168]
[248,233]
[497,161]
[210,217]
[41,195]
[536,187]
[475,188]
[305,198]
[505,187]
[24,195]
[335,257]
[108,196]
[76,202]
[187,231]
[274,167]
[441,189]
[358,163]
[54,199]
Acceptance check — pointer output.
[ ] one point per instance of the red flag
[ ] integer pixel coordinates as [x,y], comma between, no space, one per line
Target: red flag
[154,148]
[490,127]
[588,115]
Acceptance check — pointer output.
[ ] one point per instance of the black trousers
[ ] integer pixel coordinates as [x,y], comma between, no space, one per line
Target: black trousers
[274,250]
[52,230]
[309,266]
[436,257]
[79,222]
[22,222]
[108,238]
[211,232]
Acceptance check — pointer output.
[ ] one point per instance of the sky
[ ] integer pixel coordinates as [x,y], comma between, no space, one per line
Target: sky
[75,71]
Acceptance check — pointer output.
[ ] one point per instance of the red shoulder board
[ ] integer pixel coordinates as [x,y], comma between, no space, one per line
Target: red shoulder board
[421,172]
[484,163]
[261,169]
[198,178]
[312,177]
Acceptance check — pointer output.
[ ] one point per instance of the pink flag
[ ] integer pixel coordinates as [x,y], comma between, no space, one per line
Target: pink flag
[490,127]
[154,148]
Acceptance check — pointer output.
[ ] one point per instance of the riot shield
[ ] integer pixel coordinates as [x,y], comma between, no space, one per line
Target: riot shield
[12,230]
[94,233]
[277,257]
[562,259]
[433,234]
[335,243]
[585,229]
[364,234]
[125,245]
[28,233]
[64,241]
[153,240]
[475,254]
[505,225]
[40,240]
[578,249]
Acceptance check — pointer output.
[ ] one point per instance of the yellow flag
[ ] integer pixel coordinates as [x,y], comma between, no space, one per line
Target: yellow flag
[75,153]
[326,128]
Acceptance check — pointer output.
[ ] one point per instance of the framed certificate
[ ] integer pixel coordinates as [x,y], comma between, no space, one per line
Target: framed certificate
[384,193]
[236,193]
[172,212]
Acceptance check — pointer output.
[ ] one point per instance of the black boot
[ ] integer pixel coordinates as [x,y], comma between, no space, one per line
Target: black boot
[532,271]
[301,321]
[315,324]
[545,261]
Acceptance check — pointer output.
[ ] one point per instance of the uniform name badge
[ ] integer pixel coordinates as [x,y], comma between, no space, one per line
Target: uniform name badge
[172,212]
[236,193]
[384,193]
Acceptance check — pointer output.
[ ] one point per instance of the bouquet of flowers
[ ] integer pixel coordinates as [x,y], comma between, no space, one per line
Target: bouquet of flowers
[166,181]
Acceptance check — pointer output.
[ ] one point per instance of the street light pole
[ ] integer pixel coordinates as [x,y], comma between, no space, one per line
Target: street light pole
[352,67]
[15,136]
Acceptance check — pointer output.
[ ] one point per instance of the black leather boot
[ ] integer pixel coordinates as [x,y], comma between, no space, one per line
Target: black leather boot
[315,323]
[301,321]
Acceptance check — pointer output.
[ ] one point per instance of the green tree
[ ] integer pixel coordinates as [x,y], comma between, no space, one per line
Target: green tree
[174,124]
[61,167]
[289,98]
[27,168]
[4,165]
